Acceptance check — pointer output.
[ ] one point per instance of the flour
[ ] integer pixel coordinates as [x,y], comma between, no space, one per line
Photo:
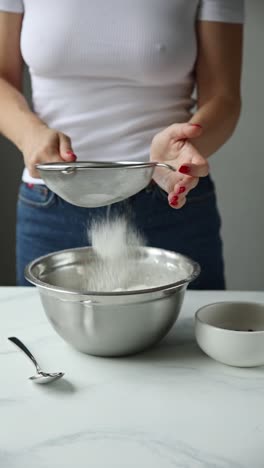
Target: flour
[119,263]
[113,239]
[117,247]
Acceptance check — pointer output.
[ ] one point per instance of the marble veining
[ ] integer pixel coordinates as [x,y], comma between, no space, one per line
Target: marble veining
[169,452]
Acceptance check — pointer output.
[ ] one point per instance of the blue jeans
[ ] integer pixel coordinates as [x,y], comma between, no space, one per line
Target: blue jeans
[46,223]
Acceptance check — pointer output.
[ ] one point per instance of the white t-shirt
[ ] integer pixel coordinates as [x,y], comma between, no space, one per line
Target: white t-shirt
[111,74]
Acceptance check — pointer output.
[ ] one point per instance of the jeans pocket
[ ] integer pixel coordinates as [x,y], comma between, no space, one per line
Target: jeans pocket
[36,195]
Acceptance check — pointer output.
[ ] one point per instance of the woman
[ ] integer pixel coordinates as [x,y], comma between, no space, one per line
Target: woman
[114,81]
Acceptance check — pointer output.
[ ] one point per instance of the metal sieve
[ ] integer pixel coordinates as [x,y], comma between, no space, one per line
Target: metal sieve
[93,184]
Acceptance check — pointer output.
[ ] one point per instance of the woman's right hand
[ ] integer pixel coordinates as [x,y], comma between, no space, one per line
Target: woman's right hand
[44,145]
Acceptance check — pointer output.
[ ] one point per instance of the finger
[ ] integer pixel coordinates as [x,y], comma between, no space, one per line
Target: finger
[184,185]
[184,131]
[191,162]
[174,133]
[65,148]
[175,201]
[196,170]
[41,159]
[174,182]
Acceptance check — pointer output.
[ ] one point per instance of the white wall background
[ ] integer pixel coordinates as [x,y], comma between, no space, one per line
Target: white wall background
[238,170]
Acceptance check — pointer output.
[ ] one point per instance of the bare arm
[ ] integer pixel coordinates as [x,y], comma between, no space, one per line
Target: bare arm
[218,75]
[18,123]
[186,146]
[15,114]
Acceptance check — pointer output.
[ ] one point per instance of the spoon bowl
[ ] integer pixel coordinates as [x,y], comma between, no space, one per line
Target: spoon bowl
[40,377]
[45,378]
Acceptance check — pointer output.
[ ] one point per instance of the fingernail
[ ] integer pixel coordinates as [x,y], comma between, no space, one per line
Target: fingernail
[181,189]
[70,153]
[196,125]
[184,169]
[174,201]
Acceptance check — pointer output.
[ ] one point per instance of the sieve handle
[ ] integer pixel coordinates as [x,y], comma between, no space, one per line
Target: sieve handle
[167,166]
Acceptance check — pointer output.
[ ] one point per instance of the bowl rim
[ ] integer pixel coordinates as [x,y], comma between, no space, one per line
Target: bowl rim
[33,280]
[228,330]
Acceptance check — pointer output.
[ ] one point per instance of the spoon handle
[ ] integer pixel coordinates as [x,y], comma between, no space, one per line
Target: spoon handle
[23,348]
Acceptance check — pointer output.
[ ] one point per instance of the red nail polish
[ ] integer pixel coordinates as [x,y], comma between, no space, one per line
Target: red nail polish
[181,189]
[174,201]
[196,125]
[70,153]
[184,169]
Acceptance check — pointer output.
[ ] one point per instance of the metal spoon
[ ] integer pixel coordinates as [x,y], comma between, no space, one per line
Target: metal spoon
[41,377]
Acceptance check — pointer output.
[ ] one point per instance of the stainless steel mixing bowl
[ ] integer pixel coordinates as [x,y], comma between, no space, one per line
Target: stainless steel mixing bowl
[94,184]
[109,324]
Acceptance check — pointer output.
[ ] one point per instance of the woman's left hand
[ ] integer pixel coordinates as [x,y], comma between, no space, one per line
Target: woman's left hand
[173,146]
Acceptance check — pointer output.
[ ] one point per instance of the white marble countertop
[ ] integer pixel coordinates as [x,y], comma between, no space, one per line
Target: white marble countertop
[170,407]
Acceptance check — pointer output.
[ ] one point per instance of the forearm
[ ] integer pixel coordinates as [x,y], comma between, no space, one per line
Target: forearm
[218,117]
[16,118]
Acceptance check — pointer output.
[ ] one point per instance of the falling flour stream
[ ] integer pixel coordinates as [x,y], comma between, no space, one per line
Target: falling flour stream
[119,264]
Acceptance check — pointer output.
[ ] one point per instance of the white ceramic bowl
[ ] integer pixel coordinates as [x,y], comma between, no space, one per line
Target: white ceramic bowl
[232,332]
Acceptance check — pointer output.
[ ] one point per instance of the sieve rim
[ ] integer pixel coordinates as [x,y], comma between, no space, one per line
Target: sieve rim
[62,166]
